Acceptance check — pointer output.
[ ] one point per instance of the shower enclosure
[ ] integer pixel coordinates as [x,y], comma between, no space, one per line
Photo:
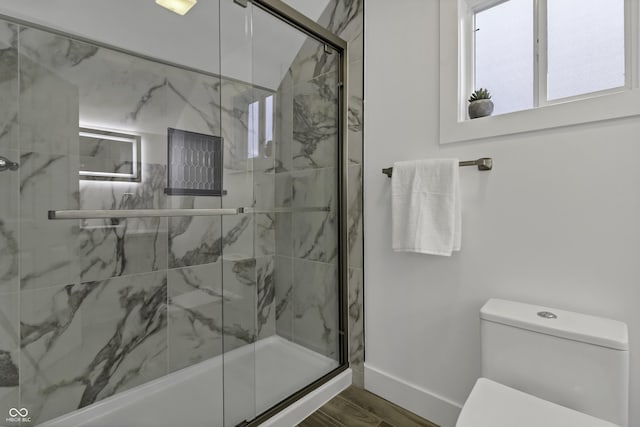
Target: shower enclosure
[172,213]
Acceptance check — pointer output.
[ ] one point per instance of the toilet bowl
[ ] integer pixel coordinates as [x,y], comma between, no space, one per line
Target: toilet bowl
[548,367]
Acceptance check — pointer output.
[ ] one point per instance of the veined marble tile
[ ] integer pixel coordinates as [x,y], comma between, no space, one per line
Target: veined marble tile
[194,240]
[264,188]
[356,324]
[48,176]
[121,91]
[265,234]
[266,294]
[284,234]
[48,249]
[356,113]
[315,306]
[346,18]
[238,235]
[82,343]
[9,353]
[9,345]
[48,111]
[9,227]
[315,188]
[315,126]
[239,186]
[118,247]
[354,216]
[284,129]
[283,221]
[195,314]
[315,234]
[283,280]
[9,87]
[239,291]
[311,61]
[283,190]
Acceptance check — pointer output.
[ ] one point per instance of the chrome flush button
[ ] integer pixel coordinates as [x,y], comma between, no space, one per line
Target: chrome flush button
[547,315]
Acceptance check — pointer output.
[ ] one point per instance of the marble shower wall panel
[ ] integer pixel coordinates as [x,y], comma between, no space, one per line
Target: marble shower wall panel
[266,294]
[315,306]
[10,183]
[356,108]
[49,151]
[283,284]
[356,325]
[8,87]
[315,234]
[355,229]
[83,343]
[284,129]
[240,301]
[194,240]
[9,352]
[265,234]
[311,61]
[195,325]
[120,91]
[120,247]
[315,126]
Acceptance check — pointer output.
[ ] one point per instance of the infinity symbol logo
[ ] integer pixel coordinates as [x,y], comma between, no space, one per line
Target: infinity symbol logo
[23,412]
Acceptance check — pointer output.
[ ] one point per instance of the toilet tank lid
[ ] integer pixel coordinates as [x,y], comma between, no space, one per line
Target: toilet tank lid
[574,326]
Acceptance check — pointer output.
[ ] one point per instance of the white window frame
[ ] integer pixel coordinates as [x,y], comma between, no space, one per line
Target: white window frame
[456,81]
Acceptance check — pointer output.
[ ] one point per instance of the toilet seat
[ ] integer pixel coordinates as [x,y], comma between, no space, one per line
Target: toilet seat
[491,404]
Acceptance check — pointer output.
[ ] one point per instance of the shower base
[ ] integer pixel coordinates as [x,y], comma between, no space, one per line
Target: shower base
[255,378]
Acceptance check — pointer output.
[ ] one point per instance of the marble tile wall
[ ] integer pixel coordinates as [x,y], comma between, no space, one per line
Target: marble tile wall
[9,225]
[93,307]
[304,163]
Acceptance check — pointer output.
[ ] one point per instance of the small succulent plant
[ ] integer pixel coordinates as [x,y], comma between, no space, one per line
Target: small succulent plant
[480,94]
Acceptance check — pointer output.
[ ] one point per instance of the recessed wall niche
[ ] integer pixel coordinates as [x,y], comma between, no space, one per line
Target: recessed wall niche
[194,163]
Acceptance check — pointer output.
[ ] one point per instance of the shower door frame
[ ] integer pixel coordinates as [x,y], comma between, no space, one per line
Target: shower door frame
[292,17]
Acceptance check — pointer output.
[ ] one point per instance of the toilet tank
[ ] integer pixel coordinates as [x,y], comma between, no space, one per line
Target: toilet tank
[575,360]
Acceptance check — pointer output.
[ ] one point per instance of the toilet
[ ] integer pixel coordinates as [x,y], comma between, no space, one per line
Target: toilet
[548,367]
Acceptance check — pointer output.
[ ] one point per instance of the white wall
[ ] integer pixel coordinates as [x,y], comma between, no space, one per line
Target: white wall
[557,222]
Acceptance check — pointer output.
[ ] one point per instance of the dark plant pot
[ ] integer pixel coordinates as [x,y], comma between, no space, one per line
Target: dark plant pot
[480,108]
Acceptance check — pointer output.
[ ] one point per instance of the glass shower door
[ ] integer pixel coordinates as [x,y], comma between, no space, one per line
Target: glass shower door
[280,122]
[119,314]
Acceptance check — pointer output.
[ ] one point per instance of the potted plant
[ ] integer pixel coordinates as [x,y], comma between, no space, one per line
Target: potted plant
[480,104]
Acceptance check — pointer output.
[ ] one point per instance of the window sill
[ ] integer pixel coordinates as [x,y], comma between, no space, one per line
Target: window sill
[604,107]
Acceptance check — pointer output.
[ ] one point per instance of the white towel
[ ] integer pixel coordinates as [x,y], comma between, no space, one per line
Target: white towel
[425,207]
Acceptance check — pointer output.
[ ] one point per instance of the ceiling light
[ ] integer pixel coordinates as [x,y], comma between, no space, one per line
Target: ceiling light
[180,7]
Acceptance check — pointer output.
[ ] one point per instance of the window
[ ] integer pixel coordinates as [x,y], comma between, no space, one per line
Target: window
[547,64]
[532,53]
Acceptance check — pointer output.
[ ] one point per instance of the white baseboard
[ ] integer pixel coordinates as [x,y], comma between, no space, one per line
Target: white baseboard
[418,400]
[306,406]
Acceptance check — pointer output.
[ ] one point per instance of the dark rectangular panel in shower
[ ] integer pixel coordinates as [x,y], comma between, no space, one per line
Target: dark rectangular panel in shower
[194,164]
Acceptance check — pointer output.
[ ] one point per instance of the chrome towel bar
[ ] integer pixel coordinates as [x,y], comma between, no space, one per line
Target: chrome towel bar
[484,164]
[137,213]
[150,213]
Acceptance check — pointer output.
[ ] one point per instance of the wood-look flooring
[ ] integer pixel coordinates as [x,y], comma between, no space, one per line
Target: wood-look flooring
[355,407]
